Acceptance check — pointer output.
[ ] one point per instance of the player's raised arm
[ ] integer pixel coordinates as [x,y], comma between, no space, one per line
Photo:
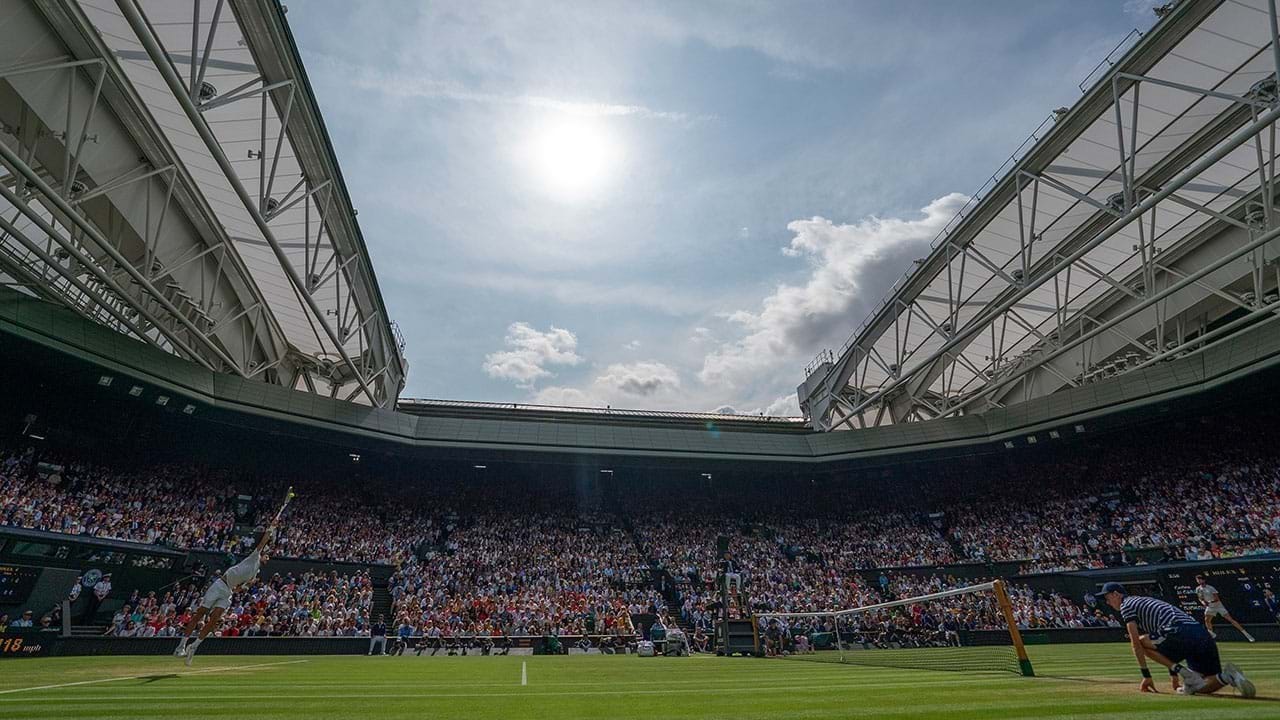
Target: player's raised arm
[267,536]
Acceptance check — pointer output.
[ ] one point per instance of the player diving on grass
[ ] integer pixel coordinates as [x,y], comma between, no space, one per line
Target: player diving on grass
[1213,607]
[208,617]
[1166,635]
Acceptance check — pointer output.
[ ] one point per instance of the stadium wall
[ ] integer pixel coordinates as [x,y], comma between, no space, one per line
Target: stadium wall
[89,348]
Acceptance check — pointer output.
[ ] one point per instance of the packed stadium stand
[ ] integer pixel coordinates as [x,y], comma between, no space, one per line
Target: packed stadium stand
[472,551]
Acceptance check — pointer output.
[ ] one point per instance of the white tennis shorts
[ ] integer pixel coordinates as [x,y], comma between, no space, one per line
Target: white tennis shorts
[217,596]
[1215,609]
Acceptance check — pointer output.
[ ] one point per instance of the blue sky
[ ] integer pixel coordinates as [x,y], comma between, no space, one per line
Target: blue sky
[669,205]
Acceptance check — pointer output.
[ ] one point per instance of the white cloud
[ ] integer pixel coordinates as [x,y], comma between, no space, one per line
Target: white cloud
[641,379]
[783,406]
[530,350]
[621,385]
[852,267]
[633,345]
[564,396]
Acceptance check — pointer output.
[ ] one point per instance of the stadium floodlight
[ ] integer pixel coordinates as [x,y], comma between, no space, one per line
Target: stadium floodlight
[1032,440]
[480,467]
[606,472]
[1008,444]
[105,380]
[857,636]
[162,400]
[189,409]
[1054,434]
[135,391]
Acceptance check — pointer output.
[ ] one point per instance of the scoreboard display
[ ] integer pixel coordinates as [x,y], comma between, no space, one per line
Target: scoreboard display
[16,583]
[1240,586]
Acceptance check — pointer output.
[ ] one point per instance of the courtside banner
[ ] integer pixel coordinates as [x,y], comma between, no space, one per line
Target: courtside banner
[26,644]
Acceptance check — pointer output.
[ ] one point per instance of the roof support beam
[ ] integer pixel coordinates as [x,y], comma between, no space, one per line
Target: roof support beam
[1059,263]
[239,94]
[1150,300]
[48,194]
[133,15]
[91,266]
[197,75]
[988,206]
[127,178]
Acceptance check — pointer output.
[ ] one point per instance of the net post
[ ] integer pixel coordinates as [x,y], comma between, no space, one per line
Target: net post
[835,625]
[1006,608]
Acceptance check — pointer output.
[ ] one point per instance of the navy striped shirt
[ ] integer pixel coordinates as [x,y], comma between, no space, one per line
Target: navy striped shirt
[1154,617]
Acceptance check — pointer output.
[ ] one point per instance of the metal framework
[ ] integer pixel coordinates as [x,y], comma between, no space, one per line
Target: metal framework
[186,194]
[1141,227]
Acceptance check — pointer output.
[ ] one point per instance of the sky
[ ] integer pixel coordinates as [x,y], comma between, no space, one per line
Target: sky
[670,206]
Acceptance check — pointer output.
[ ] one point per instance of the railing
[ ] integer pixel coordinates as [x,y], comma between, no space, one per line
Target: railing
[621,412]
[1122,47]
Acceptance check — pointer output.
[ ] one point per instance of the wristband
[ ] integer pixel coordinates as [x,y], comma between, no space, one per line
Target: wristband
[1146,673]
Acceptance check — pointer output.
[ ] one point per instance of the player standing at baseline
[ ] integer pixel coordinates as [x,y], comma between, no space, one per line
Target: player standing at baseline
[218,597]
[1213,607]
[1164,633]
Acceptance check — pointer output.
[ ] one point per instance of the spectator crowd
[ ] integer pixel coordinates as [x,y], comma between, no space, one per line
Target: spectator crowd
[308,605]
[529,557]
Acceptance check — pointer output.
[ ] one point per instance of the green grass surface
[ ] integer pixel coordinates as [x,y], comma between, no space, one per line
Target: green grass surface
[1082,681]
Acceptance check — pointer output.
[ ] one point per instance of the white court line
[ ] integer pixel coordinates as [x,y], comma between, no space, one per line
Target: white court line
[139,677]
[225,698]
[524,679]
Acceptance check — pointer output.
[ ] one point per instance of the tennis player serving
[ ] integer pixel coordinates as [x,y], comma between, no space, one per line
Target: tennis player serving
[208,617]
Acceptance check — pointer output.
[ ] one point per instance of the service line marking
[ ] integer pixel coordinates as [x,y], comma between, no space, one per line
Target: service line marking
[524,678]
[139,677]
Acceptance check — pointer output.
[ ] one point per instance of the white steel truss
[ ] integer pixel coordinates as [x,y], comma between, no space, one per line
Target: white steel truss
[1141,227]
[199,211]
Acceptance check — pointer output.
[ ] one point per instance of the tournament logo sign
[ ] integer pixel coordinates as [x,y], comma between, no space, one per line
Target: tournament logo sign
[91,577]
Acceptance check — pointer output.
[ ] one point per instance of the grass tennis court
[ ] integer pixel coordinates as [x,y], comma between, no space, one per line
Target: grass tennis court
[1076,682]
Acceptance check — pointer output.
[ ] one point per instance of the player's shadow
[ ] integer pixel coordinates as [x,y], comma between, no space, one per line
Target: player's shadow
[146,679]
[1224,694]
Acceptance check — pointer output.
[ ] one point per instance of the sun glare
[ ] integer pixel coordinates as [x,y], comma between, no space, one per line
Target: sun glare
[573,159]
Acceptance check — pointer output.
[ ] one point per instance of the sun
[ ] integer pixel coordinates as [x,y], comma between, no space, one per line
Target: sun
[573,159]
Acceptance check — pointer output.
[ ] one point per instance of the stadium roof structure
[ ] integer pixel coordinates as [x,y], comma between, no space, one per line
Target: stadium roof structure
[164,171]
[1135,227]
[95,372]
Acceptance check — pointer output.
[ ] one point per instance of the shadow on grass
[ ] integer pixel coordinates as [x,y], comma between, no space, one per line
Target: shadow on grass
[1233,696]
[1227,695]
